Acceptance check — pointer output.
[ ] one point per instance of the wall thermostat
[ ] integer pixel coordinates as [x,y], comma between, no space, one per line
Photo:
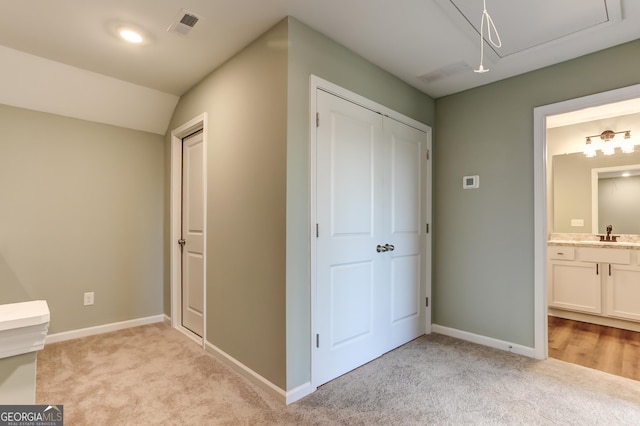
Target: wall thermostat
[471,182]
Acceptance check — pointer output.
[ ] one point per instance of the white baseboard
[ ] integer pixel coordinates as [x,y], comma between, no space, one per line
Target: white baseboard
[300,392]
[484,340]
[105,328]
[257,379]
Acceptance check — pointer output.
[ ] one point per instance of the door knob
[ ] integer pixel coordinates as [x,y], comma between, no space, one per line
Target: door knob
[182,242]
[389,247]
[380,248]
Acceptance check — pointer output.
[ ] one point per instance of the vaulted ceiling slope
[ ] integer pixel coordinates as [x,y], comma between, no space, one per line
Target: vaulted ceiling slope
[433,45]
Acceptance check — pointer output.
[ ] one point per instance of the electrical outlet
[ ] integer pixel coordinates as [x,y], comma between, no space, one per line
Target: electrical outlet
[88,298]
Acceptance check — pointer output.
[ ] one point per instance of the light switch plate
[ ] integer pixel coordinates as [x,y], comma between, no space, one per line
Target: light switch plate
[577,222]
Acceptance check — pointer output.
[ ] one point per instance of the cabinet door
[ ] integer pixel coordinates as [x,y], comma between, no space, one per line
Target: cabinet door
[575,286]
[623,292]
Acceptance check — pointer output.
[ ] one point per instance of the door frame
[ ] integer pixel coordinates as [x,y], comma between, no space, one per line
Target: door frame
[175,223]
[316,83]
[540,114]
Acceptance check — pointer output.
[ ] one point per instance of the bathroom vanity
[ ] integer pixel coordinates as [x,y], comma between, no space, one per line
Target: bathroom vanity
[595,281]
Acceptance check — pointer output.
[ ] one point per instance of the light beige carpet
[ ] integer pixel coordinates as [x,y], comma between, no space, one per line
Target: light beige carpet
[155,375]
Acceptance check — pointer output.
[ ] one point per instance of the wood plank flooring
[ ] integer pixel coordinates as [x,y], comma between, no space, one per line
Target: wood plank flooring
[607,349]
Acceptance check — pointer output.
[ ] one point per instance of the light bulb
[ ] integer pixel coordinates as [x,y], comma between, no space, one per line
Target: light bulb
[608,149]
[130,36]
[627,145]
[589,150]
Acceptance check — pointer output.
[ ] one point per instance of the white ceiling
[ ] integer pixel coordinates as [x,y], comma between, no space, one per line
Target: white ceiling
[433,45]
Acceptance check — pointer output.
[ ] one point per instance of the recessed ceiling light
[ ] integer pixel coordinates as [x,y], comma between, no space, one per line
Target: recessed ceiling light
[129,32]
[130,36]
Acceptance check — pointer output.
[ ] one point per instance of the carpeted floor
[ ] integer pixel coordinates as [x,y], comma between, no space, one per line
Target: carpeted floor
[155,375]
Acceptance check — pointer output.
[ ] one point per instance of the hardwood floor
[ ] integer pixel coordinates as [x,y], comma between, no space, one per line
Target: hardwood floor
[607,349]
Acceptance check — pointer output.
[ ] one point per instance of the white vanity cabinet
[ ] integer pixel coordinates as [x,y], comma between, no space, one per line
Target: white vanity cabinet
[571,284]
[623,292]
[598,281]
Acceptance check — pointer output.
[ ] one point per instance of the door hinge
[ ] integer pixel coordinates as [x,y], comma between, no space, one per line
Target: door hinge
[427,228]
[317,119]
[427,154]
[317,231]
[317,340]
[427,302]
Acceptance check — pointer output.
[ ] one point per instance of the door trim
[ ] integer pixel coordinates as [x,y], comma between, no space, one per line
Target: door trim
[175,265]
[540,114]
[316,83]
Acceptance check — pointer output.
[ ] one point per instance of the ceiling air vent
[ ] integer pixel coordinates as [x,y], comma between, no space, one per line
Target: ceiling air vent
[446,71]
[183,23]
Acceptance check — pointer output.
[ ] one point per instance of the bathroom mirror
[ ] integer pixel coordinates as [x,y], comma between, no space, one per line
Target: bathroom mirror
[590,193]
[615,199]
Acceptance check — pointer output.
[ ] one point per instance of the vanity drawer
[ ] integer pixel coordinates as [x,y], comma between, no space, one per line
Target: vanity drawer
[561,252]
[604,255]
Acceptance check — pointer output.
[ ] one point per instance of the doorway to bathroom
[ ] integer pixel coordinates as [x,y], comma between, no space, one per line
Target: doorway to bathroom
[592,334]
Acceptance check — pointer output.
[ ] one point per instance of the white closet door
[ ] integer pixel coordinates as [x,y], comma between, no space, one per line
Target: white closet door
[351,285]
[407,147]
[368,195]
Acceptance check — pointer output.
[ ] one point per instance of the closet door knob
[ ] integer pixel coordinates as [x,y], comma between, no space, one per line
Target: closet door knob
[381,249]
[390,247]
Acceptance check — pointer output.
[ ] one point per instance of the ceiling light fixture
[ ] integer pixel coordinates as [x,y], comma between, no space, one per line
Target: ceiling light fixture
[608,146]
[130,35]
[589,150]
[490,26]
[627,145]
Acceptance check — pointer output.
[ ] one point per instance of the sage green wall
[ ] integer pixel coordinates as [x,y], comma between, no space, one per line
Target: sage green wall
[18,379]
[246,102]
[483,238]
[81,211]
[258,189]
[313,53]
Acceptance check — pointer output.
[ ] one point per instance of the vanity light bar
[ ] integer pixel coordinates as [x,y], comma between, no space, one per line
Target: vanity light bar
[606,146]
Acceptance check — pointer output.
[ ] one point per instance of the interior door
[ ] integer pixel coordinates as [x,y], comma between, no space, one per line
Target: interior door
[369,281]
[192,240]
[406,202]
[350,281]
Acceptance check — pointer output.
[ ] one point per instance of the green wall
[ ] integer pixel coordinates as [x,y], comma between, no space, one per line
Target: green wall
[18,379]
[258,299]
[483,238]
[246,102]
[81,211]
[312,53]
